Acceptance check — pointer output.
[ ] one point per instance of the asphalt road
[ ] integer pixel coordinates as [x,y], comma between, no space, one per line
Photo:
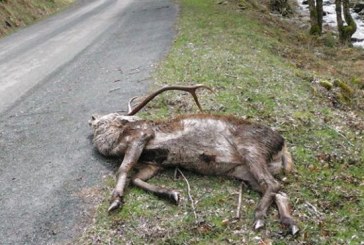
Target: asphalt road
[88,59]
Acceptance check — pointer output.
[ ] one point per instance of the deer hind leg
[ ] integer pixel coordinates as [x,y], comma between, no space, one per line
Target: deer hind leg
[267,185]
[147,171]
[261,180]
[283,161]
[242,172]
[281,199]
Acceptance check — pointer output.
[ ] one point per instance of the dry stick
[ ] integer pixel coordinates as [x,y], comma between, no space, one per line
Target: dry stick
[314,209]
[242,184]
[342,135]
[189,194]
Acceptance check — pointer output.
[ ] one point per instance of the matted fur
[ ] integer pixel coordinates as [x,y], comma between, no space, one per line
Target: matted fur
[204,143]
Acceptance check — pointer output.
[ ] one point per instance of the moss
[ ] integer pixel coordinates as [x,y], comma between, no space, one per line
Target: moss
[315,30]
[329,40]
[345,88]
[326,84]
[358,82]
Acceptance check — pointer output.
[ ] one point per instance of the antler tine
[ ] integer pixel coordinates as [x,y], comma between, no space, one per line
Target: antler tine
[190,89]
[129,104]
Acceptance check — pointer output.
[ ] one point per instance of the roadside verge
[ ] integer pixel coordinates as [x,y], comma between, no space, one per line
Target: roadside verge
[15,14]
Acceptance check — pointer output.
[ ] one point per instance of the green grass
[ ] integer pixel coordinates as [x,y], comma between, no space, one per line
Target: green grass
[15,14]
[243,56]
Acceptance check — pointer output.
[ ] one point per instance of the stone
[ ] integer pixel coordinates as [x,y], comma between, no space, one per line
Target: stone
[358,7]
[327,3]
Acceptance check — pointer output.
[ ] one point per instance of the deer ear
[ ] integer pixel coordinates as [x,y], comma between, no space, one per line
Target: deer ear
[94,117]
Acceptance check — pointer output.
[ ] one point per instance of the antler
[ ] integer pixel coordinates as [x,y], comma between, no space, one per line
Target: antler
[190,89]
[130,108]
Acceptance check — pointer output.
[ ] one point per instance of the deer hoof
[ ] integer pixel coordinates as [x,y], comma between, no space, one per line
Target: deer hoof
[114,205]
[259,223]
[294,229]
[175,196]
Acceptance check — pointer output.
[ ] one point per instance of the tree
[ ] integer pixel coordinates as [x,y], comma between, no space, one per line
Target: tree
[316,13]
[345,31]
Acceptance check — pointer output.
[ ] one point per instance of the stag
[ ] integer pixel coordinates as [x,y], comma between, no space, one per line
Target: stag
[204,143]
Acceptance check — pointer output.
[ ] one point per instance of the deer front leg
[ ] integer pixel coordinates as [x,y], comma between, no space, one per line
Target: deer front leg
[146,172]
[132,154]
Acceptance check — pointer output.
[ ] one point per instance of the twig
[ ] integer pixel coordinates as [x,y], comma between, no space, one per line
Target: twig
[114,89]
[144,79]
[230,75]
[341,134]
[189,193]
[175,174]
[242,184]
[314,210]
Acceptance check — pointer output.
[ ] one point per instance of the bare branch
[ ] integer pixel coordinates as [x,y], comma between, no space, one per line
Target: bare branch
[242,185]
[189,194]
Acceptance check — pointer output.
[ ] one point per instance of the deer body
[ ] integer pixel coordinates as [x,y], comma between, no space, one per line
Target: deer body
[203,143]
[206,144]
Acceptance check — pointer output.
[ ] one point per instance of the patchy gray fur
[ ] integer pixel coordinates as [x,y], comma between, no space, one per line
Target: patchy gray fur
[207,144]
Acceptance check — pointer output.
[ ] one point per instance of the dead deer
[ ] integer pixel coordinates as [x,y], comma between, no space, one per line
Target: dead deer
[203,143]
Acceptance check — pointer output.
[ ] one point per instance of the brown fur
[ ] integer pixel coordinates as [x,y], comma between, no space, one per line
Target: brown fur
[207,144]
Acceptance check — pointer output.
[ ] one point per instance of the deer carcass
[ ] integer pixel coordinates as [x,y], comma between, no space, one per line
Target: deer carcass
[203,143]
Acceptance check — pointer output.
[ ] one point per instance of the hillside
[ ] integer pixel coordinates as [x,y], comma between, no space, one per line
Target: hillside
[15,14]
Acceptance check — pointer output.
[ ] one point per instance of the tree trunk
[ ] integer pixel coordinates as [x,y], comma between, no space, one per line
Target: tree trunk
[320,13]
[315,16]
[351,28]
[345,31]
[339,18]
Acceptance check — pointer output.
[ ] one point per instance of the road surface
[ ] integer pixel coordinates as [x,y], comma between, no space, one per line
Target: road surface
[88,59]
